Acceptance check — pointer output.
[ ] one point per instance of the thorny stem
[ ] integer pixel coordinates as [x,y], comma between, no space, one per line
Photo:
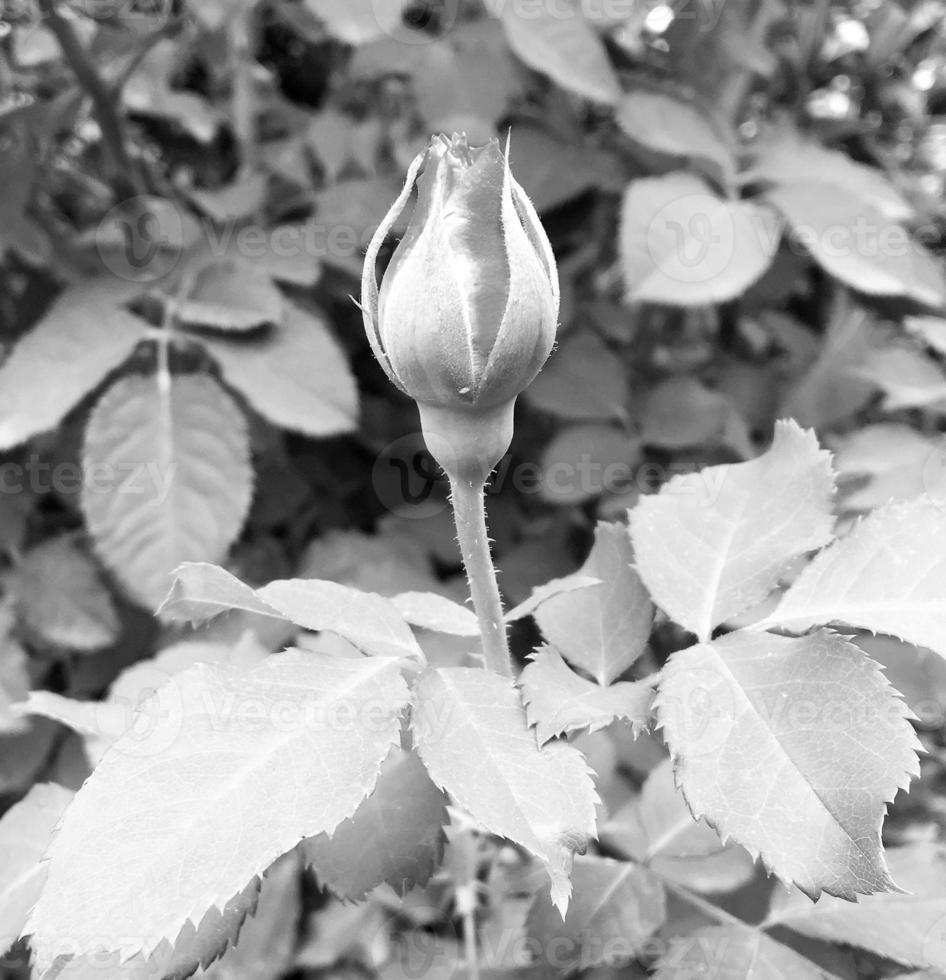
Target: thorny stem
[469,511]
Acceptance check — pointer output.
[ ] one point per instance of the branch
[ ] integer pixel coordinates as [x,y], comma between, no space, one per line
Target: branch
[125,175]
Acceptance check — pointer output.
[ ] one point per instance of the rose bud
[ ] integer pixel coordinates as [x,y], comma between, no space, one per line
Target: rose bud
[468,307]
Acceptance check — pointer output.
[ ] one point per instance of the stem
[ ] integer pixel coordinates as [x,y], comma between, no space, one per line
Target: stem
[469,511]
[103,101]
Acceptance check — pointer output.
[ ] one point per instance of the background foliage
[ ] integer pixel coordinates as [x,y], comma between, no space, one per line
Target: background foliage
[746,203]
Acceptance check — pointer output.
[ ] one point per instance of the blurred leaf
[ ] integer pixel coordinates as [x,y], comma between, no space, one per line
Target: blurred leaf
[395,836]
[681,245]
[62,598]
[562,45]
[14,683]
[585,461]
[786,156]
[733,952]
[712,544]
[902,927]
[559,702]
[169,795]
[24,753]
[899,462]
[930,330]
[679,128]
[358,21]
[245,198]
[471,733]
[602,629]
[177,480]
[908,378]
[583,380]
[83,336]
[682,412]
[790,700]
[232,296]
[887,575]
[615,907]
[857,244]
[297,376]
[25,831]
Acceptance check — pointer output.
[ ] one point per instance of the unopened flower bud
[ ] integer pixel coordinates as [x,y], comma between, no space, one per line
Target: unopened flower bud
[467,309]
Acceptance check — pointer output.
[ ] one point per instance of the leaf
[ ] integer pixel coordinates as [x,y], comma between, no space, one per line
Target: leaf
[23,755]
[358,21]
[602,629]
[471,733]
[542,593]
[760,726]
[908,378]
[25,831]
[712,544]
[615,907]
[231,295]
[430,611]
[62,598]
[679,128]
[562,45]
[558,701]
[179,478]
[887,575]
[854,242]
[14,683]
[372,623]
[682,245]
[585,461]
[931,330]
[732,952]
[395,835]
[83,336]
[584,380]
[658,823]
[785,156]
[906,928]
[296,377]
[899,461]
[237,768]
[682,412]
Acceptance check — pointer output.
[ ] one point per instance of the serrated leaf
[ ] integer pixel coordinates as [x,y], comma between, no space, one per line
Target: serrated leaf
[231,295]
[887,575]
[558,701]
[566,48]
[712,544]
[682,245]
[395,835]
[471,732]
[615,907]
[732,952]
[296,377]
[760,726]
[679,128]
[83,336]
[429,611]
[906,928]
[25,831]
[854,242]
[237,768]
[180,478]
[602,629]
[369,621]
[62,597]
